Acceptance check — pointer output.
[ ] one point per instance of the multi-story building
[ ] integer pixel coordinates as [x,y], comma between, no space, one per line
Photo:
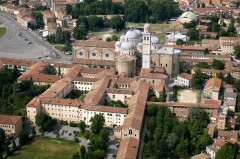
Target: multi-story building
[183,79]
[12,125]
[212,88]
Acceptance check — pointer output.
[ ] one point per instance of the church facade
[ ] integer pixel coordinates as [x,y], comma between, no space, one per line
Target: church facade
[134,50]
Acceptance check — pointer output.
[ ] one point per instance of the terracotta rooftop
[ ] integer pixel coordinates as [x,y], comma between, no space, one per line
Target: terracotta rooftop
[201,156]
[34,102]
[94,43]
[211,127]
[185,76]
[228,135]
[61,101]
[128,148]
[145,73]
[213,82]
[9,119]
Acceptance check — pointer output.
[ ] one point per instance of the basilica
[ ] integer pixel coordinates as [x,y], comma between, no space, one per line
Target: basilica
[135,50]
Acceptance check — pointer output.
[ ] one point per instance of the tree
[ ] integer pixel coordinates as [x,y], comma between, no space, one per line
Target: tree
[95,23]
[117,23]
[104,133]
[97,123]
[43,120]
[202,65]
[23,138]
[237,52]
[182,149]
[114,38]
[220,75]
[49,70]
[82,126]
[229,79]
[163,96]
[7,151]
[80,32]
[218,64]
[206,51]
[227,152]
[15,72]
[82,151]
[68,9]
[14,146]
[59,39]
[198,79]
[75,156]
[179,42]
[99,154]
[39,19]
[216,27]
[237,85]
[33,131]
[193,34]
[136,11]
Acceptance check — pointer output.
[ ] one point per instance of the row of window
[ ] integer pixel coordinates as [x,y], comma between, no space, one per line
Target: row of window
[6,126]
[85,83]
[93,54]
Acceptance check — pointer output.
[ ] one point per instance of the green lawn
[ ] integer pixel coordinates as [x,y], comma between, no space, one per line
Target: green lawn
[2,31]
[46,148]
[59,47]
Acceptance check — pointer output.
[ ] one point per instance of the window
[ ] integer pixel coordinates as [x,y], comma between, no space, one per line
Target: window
[166,65]
[113,96]
[81,54]
[130,132]
[94,54]
[107,55]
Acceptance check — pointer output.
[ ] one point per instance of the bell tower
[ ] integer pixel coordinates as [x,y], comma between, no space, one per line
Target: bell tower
[146,53]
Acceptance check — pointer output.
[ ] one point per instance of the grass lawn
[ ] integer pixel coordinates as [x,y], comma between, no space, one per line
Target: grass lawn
[46,148]
[59,47]
[2,31]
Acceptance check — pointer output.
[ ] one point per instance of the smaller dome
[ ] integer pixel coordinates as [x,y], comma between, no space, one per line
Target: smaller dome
[131,34]
[127,46]
[155,40]
[118,43]
[138,32]
[122,38]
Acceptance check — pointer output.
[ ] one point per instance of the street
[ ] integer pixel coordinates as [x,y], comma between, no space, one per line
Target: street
[13,46]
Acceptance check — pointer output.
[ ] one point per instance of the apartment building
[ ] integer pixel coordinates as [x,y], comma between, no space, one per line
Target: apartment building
[212,88]
[12,125]
[183,79]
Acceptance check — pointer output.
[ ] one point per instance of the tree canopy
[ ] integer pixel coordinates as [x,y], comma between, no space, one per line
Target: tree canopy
[198,79]
[49,70]
[228,151]
[44,121]
[97,123]
[218,64]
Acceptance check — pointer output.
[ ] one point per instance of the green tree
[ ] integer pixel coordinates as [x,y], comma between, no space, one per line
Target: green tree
[229,79]
[193,34]
[198,79]
[220,75]
[227,152]
[182,149]
[49,70]
[80,32]
[69,9]
[82,151]
[23,138]
[99,154]
[202,65]
[95,23]
[39,19]
[206,51]
[59,39]
[75,156]
[15,72]
[104,133]
[114,38]
[136,11]
[97,123]
[180,42]
[44,121]
[237,52]
[216,27]
[14,146]
[163,96]
[218,64]
[82,126]
[7,151]
[33,131]
[117,23]
[237,85]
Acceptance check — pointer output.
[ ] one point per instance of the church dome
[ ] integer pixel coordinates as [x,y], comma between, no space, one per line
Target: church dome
[122,38]
[131,34]
[155,40]
[127,46]
[138,32]
[118,43]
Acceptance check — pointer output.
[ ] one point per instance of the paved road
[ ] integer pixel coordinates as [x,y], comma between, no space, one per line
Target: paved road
[11,45]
